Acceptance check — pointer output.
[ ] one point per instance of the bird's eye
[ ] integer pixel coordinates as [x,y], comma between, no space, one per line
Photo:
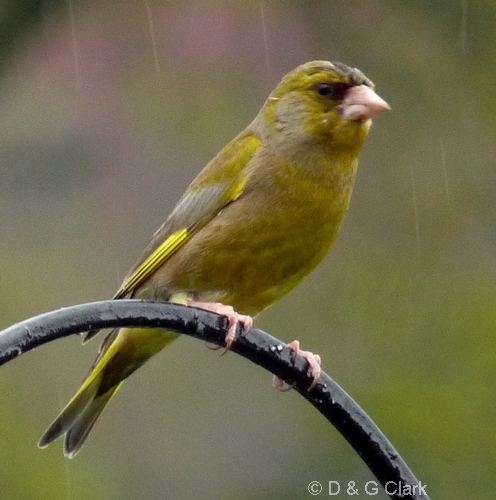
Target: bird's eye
[334,91]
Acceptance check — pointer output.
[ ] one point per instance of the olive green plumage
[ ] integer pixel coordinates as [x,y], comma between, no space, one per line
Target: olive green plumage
[255,222]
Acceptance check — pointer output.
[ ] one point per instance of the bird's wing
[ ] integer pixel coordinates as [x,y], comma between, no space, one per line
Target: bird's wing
[221,182]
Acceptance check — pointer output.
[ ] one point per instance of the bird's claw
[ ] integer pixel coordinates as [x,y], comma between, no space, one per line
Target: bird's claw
[314,362]
[233,319]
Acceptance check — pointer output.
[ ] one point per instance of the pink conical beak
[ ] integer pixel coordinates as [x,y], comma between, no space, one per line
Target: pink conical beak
[362,103]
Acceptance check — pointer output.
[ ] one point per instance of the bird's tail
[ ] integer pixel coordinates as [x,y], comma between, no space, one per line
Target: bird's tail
[122,352]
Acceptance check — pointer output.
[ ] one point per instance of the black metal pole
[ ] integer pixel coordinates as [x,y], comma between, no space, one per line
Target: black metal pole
[257,346]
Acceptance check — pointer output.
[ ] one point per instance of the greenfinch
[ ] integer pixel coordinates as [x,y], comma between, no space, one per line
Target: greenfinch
[253,224]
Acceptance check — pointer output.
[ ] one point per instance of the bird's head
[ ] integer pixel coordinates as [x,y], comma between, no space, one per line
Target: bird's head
[323,103]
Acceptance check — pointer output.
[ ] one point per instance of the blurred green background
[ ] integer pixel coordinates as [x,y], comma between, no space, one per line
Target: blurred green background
[109,109]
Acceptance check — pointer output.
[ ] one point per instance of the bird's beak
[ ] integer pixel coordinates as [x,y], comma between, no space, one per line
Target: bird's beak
[362,103]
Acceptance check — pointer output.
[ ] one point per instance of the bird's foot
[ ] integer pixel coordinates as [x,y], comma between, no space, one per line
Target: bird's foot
[233,318]
[312,359]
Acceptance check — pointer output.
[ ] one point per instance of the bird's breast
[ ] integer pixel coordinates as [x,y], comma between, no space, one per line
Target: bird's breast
[263,244]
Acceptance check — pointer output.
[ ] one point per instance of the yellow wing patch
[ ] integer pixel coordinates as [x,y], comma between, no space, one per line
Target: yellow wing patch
[174,242]
[154,261]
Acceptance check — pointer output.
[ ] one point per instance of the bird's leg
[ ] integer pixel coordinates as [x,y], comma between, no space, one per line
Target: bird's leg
[232,316]
[312,359]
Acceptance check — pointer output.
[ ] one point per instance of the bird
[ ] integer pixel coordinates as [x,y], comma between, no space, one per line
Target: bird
[259,217]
